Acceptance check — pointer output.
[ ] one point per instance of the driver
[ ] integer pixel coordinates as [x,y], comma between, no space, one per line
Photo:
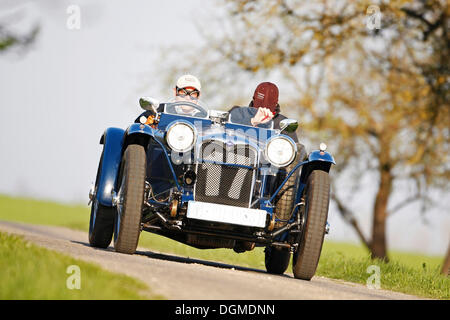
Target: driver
[188,89]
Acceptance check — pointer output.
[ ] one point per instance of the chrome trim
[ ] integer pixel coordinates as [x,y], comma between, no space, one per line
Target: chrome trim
[224,141]
[115,199]
[327,228]
[252,188]
[221,140]
[92,194]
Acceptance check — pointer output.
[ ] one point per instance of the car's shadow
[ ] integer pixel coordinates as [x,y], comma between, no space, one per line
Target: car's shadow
[187,260]
[173,258]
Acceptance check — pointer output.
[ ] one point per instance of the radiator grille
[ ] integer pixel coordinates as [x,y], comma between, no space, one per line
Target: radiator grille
[225,183]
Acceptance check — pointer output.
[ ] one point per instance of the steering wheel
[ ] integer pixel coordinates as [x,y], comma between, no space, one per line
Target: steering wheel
[186,108]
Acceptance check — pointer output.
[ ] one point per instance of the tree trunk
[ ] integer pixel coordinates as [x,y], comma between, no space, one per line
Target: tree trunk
[378,245]
[446,266]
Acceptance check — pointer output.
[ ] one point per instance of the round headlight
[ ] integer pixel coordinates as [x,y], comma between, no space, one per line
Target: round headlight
[180,137]
[280,151]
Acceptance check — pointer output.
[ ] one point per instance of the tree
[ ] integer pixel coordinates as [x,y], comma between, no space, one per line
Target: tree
[446,265]
[10,39]
[380,94]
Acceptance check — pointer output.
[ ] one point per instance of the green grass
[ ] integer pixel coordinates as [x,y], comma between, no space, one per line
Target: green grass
[29,272]
[406,272]
[412,260]
[44,213]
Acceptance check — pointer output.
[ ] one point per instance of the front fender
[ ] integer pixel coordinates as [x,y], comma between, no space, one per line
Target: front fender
[141,134]
[321,156]
[112,141]
[317,160]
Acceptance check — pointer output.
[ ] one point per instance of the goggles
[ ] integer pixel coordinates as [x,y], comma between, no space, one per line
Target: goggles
[193,94]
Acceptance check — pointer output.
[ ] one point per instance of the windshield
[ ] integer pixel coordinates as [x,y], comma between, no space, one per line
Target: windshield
[243,116]
[186,107]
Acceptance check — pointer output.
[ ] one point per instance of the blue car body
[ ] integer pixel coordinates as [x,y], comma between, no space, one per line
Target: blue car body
[166,175]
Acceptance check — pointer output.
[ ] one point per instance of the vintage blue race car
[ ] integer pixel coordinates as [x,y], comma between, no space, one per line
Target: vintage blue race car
[209,180]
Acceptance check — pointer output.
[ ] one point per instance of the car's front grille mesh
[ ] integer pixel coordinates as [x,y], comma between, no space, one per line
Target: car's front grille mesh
[225,183]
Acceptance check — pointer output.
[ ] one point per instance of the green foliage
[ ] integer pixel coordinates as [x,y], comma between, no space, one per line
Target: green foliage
[10,40]
[379,97]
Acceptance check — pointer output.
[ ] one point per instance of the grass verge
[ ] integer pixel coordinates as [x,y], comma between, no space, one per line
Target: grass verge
[408,273]
[29,272]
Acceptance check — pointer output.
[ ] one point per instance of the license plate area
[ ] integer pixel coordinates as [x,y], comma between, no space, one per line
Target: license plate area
[226,214]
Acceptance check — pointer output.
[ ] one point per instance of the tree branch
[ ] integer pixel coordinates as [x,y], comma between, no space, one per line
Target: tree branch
[348,216]
[431,26]
[402,204]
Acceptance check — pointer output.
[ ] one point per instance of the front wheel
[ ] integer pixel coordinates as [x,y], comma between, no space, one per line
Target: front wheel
[317,199]
[130,199]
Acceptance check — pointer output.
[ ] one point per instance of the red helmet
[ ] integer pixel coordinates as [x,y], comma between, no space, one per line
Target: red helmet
[266,96]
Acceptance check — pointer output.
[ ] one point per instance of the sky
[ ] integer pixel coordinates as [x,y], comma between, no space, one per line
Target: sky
[58,97]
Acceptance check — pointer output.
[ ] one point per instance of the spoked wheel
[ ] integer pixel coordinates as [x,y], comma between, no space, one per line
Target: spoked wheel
[286,197]
[276,260]
[130,199]
[101,224]
[317,199]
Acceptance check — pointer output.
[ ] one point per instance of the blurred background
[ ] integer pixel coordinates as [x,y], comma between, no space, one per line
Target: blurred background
[371,79]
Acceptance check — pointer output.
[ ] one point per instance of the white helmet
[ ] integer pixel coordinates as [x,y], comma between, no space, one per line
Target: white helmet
[189,80]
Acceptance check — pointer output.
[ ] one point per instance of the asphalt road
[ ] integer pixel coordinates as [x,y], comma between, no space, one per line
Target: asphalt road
[176,277]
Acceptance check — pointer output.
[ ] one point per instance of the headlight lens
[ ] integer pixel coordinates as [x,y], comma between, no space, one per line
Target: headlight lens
[180,137]
[280,151]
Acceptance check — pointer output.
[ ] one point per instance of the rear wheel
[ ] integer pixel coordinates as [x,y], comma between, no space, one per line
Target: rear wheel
[130,200]
[317,198]
[276,260]
[101,224]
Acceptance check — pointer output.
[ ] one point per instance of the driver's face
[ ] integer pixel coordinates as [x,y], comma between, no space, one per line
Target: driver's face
[187,94]
[186,109]
[178,98]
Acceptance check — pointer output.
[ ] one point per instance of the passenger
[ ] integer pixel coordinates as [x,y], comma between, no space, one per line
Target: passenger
[265,100]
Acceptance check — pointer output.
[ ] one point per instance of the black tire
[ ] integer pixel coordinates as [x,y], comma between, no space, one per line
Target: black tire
[276,260]
[317,199]
[101,225]
[127,226]
[101,222]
